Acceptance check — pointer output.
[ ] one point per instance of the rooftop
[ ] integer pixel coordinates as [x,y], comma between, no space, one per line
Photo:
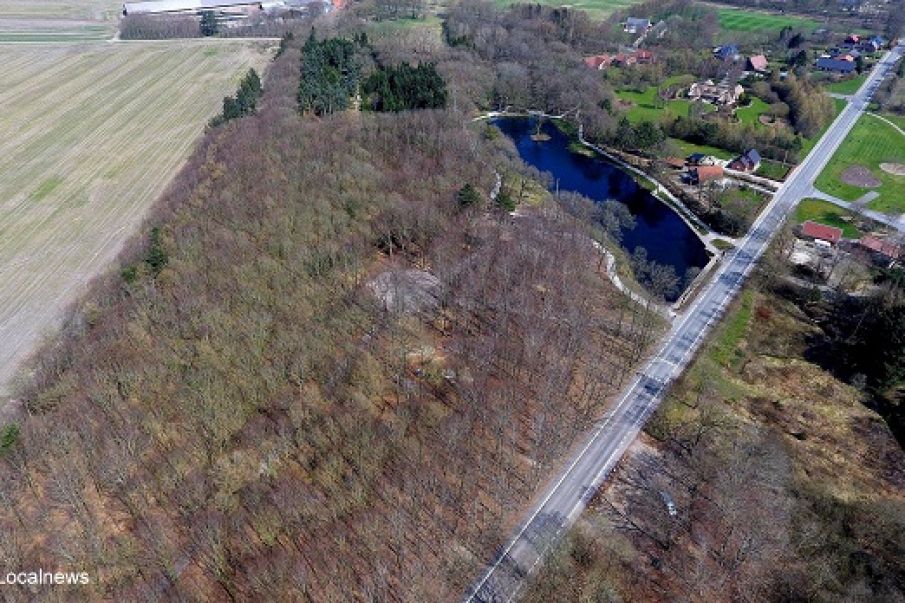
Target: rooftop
[815,230]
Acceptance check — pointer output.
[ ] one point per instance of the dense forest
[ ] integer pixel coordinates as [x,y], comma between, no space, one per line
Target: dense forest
[326,371]
[404,87]
[330,74]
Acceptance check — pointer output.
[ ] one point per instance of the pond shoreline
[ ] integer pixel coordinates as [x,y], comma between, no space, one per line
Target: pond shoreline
[651,233]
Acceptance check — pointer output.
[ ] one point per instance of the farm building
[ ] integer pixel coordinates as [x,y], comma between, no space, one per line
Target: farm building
[718,94]
[158,7]
[634,25]
[820,232]
[835,65]
[164,7]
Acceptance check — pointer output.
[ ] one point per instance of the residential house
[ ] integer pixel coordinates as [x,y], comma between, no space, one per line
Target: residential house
[701,159]
[820,232]
[748,161]
[676,163]
[835,65]
[598,61]
[644,57]
[758,63]
[727,52]
[705,173]
[634,25]
[881,251]
[718,94]
[625,59]
[853,39]
[874,44]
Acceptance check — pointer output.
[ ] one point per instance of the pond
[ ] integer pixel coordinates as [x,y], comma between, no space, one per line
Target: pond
[659,229]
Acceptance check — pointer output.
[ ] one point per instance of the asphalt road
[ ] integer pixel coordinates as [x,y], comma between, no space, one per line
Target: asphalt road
[567,497]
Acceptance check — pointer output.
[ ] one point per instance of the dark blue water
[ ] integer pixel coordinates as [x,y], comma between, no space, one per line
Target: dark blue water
[667,239]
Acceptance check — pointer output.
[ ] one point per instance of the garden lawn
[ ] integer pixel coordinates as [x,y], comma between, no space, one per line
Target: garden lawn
[772,169]
[749,115]
[824,212]
[689,148]
[849,86]
[645,106]
[871,142]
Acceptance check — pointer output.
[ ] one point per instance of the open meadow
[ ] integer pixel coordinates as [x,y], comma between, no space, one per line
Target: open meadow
[746,20]
[597,9]
[856,169]
[91,135]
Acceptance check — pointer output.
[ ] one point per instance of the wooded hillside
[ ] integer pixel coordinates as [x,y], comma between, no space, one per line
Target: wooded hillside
[236,415]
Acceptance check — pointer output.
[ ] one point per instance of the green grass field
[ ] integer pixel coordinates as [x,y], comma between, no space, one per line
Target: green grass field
[597,9]
[687,148]
[91,136]
[742,20]
[849,86]
[870,143]
[824,212]
[899,120]
[749,115]
[772,169]
[646,107]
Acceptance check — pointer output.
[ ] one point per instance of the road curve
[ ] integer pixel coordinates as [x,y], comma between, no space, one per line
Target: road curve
[567,497]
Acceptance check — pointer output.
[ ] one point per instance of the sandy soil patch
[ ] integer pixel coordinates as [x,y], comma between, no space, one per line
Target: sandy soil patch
[896,169]
[858,175]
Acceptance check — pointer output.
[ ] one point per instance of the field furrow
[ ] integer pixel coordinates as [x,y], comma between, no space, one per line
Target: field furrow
[89,137]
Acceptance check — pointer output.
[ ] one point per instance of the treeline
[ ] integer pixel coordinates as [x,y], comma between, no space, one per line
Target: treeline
[244,102]
[531,57]
[809,109]
[330,73]
[404,87]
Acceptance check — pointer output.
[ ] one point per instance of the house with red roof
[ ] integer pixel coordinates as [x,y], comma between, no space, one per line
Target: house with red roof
[881,250]
[705,173]
[644,57]
[598,61]
[820,232]
[758,63]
